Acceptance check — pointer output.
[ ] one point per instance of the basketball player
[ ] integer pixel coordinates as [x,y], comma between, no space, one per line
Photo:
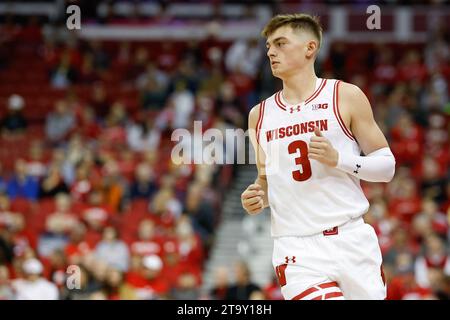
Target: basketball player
[308,139]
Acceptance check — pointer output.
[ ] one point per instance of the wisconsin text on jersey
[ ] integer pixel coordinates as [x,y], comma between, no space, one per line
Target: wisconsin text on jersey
[296,129]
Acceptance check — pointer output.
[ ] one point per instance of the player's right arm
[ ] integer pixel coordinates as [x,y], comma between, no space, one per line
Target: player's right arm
[254,198]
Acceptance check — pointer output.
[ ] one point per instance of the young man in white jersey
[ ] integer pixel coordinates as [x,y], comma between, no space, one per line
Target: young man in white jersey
[308,140]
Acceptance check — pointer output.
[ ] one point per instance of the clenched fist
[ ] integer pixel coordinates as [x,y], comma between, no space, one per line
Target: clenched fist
[253,199]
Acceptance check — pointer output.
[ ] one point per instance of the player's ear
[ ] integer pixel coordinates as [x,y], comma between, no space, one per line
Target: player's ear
[311,48]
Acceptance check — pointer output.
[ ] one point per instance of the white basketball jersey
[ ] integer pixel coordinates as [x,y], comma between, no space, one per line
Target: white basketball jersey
[305,196]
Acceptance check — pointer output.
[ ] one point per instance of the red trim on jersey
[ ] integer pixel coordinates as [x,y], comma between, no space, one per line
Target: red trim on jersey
[329,285]
[314,95]
[317,92]
[305,293]
[260,119]
[337,114]
[333,295]
[278,101]
[313,289]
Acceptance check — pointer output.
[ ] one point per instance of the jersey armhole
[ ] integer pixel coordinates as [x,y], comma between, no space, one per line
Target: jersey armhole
[262,106]
[337,114]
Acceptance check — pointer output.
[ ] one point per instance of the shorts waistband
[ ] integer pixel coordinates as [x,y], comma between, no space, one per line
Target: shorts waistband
[348,225]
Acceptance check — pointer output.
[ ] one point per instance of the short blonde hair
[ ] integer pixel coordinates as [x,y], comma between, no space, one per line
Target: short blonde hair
[297,21]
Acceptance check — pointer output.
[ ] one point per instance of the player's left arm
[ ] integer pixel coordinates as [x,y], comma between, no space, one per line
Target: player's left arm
[378,164]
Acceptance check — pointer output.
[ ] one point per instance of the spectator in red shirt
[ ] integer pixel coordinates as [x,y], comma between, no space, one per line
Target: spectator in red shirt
[147,283]
[148,242]
[96,213]
[77,247]
[434,256]
[412,68]
[403,285]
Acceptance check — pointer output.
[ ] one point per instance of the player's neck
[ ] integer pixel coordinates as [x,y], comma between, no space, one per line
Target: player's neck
[299,87]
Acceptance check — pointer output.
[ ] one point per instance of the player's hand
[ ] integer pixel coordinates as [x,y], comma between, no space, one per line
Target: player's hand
[321,149]
[253,199]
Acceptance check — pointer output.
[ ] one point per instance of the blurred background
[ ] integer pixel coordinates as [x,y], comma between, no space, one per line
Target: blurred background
[86,117]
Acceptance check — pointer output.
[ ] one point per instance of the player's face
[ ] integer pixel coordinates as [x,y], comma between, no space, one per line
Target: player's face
[288,51]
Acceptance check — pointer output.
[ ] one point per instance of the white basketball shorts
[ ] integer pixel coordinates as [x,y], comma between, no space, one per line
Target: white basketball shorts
[341,263]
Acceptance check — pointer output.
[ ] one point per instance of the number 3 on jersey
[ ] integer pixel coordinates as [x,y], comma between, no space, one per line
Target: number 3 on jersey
[302,160]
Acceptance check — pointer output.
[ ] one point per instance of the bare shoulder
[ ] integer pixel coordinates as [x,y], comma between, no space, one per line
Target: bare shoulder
[350,93]
[253,116]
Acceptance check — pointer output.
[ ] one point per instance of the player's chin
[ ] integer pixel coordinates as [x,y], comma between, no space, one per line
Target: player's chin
[277,73]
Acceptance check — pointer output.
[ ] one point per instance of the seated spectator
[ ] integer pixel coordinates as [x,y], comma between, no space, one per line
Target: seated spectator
[143,135]
[153,96]
[201,212]
[21,184]
[55,269]
[438,219]
[148,241]
[127,162]
[435,256]
[403,286]
[143,186]
[243,288]
[14,121]
[191,250]
[101,59]
[78,246]
[244,55]
[114,284]
[165,205]
[147,283]
[63,220]
[34,286]
[152,73]
[59,122]
[113,251]
[88,127]
[99,100]
[113,184]
[36,164]
[221,283]
[82,186]
[183,105]
[96,214]
[64,73]
[20,237]
[52,184]
[88,74]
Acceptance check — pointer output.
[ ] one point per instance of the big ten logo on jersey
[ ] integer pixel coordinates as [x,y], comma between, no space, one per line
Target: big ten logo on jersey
[318,106]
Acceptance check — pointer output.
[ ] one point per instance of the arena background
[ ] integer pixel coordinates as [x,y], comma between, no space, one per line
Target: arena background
[90,199]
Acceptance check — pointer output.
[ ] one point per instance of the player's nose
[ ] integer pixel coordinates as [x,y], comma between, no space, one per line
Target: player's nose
[271,53]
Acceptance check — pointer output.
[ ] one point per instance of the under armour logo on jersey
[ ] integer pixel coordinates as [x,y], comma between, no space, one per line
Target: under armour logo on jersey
[290,259]
[357,168]
[319,106]
[298,109]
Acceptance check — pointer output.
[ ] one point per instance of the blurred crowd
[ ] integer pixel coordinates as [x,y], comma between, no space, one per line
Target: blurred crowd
[89,180]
